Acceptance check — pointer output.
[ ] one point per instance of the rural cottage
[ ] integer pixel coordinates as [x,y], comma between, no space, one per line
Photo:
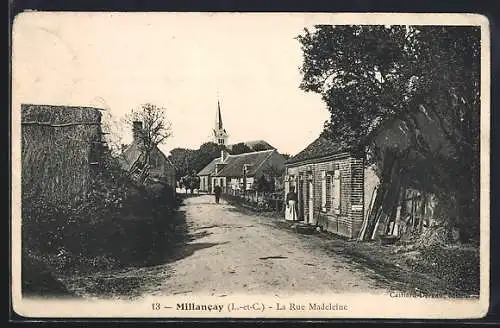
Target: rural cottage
[158,168]
[330,184]
[239,172]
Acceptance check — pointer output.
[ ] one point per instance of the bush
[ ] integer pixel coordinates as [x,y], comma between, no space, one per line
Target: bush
[458,266]
[38,278]
[118,223]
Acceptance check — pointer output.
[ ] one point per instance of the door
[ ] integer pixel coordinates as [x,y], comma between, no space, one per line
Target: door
[310,202]
[300,194]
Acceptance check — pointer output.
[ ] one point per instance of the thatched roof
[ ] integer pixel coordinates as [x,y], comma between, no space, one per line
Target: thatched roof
[59,115]
[59,150]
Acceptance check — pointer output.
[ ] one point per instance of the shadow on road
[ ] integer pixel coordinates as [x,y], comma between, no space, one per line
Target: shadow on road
[189,249]
[184,244]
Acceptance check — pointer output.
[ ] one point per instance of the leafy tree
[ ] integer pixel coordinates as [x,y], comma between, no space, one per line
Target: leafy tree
[240,148]
[286,156]
[190,182]
[187,161]
[264,184]
[182,159]
[275,176]
[371,75]
[259,147]
[205,154]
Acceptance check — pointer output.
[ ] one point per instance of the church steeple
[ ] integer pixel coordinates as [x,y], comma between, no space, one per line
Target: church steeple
[220,134]
[218,119]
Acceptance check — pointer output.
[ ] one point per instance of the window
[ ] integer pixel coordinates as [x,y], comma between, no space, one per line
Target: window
[335,192]
[330,191]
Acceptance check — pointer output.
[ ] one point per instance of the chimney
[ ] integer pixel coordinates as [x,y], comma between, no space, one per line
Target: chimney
[223,155]
[136,129]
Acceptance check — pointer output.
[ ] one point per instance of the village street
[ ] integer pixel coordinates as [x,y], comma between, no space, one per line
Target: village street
[231,252]
[226,250]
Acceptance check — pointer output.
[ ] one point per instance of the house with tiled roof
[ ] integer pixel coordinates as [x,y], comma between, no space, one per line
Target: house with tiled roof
[329,179]
[239,172]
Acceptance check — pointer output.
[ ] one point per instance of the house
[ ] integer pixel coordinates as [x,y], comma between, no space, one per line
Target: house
[239,172]
[159,167]
[61,151]
[208,171]
[329,180]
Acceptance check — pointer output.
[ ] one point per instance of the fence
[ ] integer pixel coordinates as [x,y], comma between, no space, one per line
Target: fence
[258,201]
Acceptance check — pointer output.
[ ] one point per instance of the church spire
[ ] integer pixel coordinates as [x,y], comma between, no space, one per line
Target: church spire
[219,116]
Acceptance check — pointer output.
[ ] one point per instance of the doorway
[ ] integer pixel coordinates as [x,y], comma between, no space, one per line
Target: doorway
[310,204]
[300,194]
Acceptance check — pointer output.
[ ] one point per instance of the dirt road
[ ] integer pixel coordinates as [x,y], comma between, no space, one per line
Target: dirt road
[231,252]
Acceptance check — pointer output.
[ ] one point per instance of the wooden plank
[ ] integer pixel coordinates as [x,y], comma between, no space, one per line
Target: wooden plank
[364,226]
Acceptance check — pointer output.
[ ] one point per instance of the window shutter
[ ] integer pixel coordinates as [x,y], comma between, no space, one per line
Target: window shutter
[323,190]
[336,192]
[329,192]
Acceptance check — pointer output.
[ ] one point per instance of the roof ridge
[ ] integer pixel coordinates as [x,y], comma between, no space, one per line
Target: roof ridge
[63,106]
[262,162]
[253,152]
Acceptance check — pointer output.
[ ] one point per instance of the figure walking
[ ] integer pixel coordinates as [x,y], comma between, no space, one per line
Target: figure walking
[217,192]
[291,205]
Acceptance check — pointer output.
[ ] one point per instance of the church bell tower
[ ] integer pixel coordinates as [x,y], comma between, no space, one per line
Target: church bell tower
[220,134]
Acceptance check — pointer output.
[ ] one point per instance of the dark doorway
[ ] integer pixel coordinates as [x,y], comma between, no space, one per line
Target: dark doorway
[301,195]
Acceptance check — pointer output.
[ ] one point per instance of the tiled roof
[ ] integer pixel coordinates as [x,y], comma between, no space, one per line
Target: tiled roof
[319,148]
[210,168]
[234,163]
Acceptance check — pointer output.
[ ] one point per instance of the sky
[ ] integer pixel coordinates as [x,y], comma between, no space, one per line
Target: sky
[183,62]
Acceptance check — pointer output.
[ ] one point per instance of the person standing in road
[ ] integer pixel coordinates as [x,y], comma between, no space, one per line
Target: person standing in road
[291,205]
[217,192]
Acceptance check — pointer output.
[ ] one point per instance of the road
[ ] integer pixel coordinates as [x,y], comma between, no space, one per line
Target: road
[231,252]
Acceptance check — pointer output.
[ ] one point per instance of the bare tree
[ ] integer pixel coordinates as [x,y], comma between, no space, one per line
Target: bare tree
[113,132]
[155,130]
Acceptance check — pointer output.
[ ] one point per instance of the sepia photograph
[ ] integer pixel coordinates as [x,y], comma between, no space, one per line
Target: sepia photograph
[271,165]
